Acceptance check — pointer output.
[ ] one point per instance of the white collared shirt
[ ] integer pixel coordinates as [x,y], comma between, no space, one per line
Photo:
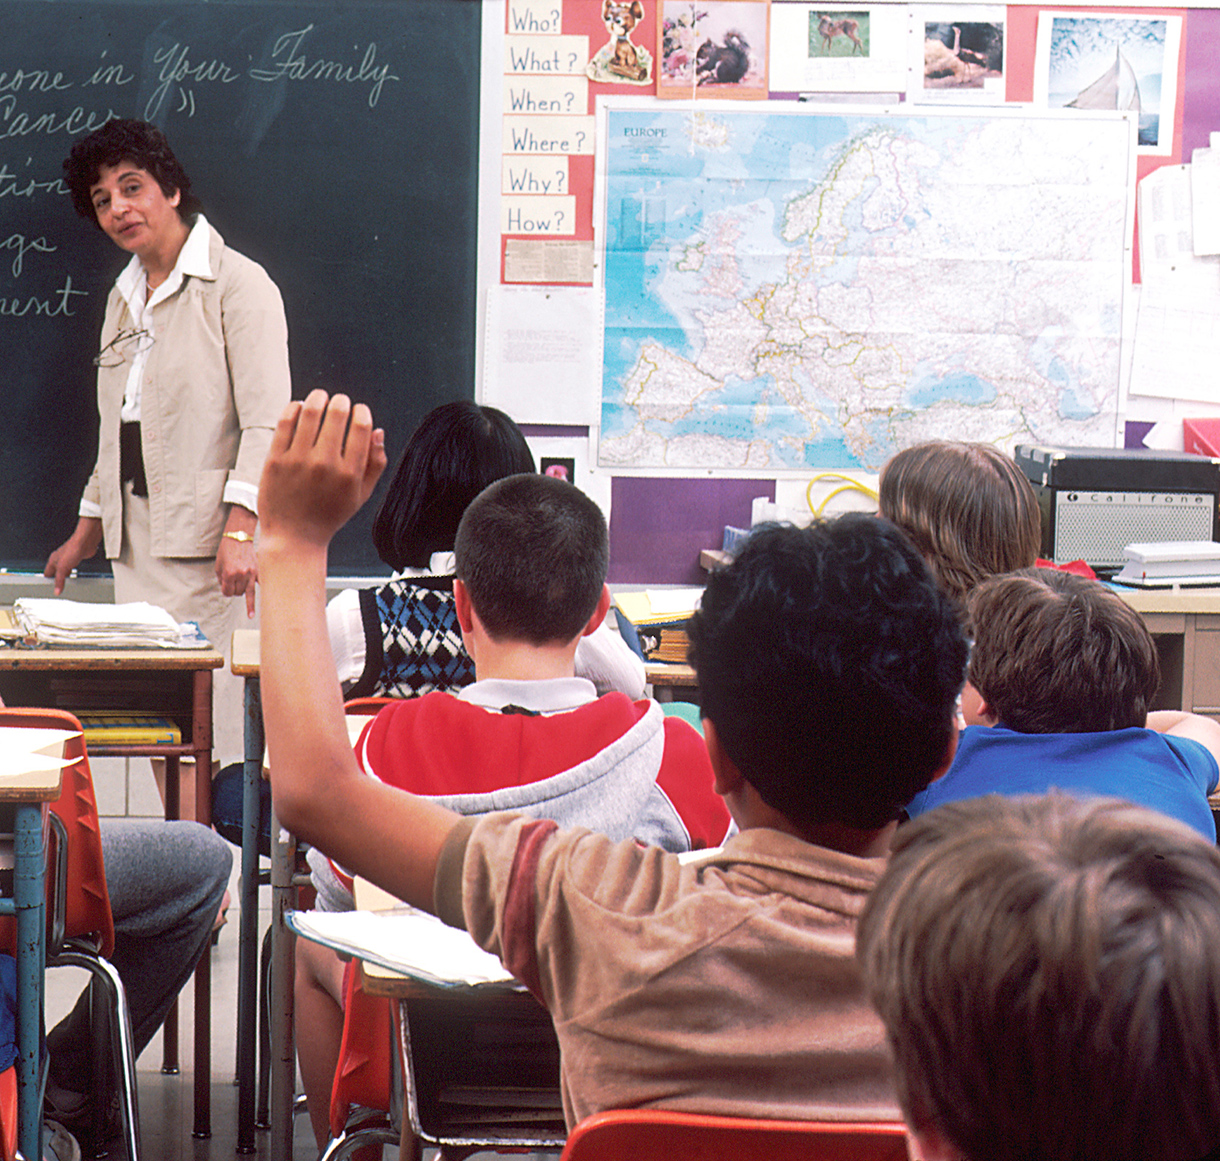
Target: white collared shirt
[551,695]
[132,284]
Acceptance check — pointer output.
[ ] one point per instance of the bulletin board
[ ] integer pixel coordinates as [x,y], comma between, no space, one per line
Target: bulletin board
[768,244]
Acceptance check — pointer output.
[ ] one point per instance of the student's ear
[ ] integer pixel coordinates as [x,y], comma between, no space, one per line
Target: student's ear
[975,710]
[462,606]
[726,778]
[599,614]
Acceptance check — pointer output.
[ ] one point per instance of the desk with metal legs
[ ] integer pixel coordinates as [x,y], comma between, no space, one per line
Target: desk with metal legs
[172,683]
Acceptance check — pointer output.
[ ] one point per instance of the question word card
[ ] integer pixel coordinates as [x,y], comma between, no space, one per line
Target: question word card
[549,135]
[539,19]
[555,56]
[538,215]
[534,175]
[567,95]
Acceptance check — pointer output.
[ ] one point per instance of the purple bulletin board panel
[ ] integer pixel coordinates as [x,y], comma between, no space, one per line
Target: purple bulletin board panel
[658,527]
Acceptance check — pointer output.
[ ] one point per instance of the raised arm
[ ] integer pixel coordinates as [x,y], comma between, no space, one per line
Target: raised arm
[325,459]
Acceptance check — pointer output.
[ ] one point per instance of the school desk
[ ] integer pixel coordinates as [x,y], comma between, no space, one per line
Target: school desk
[171,683]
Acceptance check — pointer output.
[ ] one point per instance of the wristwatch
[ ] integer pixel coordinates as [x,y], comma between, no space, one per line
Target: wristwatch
[240,537]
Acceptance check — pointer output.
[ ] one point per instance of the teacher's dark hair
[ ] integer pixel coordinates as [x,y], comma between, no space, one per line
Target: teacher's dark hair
[456,451]
[123,139]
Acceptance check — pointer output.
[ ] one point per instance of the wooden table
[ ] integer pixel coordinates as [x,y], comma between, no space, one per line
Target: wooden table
[28,904]
[172,683]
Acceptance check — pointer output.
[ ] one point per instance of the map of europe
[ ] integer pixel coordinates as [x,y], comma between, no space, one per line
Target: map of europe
[809,289]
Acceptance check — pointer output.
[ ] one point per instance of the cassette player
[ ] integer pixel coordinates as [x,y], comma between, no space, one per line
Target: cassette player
[1096,501]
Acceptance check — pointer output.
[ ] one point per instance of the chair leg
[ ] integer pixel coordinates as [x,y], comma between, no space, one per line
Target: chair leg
[122,1045]
[262,1118]
[378,1132]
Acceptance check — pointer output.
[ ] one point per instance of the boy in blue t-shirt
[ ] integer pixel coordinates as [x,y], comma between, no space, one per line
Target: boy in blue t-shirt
[1062,673]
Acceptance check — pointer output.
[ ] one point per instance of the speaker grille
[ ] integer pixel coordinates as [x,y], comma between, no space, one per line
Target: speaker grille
[1097,526]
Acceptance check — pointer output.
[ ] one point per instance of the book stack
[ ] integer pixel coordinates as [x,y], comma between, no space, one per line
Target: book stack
[660,617]
[1174,562]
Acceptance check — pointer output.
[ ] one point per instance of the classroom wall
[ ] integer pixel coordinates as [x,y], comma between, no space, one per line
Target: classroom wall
[660,520]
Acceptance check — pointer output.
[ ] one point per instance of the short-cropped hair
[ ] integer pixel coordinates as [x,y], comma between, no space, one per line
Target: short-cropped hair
[1048,973]
[532,552]
[456,451]
[967,507]
[829,662]
[1056,653]
[123,139]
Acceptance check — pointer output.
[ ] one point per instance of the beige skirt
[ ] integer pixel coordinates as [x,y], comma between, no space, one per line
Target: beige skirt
[187,588]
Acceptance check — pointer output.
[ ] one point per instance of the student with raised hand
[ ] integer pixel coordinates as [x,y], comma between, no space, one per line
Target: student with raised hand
[1062,677]
[1048,973]
[830,664]
[967,507]
[530,733]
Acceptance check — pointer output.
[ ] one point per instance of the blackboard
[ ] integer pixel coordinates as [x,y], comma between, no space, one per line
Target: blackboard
[335,143]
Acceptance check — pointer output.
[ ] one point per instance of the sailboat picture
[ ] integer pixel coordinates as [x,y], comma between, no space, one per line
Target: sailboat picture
[1128,63]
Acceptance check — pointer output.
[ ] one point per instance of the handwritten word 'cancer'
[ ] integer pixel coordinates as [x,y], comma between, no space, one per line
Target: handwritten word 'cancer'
[14,123]
[290,63]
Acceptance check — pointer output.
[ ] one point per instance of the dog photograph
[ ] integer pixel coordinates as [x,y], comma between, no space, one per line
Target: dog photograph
[838,34]
[712,49]
[623,59]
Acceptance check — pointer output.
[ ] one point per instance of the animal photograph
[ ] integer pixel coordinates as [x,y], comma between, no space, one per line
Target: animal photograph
[838,34]
[963,54]
[621,60]
[713,49]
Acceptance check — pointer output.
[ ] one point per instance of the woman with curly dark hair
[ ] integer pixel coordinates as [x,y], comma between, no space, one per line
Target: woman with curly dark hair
[192,374]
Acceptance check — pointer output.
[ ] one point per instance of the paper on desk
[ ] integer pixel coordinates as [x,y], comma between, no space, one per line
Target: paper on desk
[32,757]
[135,624]
[404,940]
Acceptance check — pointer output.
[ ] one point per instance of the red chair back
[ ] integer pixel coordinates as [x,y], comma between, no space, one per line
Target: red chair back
[661,1135]
[363,1073]
[87,902]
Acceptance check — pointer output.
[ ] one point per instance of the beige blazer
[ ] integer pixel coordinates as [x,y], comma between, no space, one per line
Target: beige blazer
[215,384]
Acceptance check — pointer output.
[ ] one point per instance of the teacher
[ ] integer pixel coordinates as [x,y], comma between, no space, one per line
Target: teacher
[192,374]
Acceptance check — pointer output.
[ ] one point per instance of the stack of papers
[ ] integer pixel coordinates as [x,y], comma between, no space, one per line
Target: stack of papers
[659,606]
[404,940]
[137,625]
[1174,562]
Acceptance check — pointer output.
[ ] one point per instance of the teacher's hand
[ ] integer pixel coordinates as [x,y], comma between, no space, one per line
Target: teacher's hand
[236,564]
[81,545]
[237,570]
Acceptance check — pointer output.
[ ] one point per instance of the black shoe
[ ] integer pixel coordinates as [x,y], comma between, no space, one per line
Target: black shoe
[74,1111]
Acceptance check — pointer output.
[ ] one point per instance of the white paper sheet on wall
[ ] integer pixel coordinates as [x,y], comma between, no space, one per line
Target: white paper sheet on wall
[1176,351]
[543,354]
[1205,197]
